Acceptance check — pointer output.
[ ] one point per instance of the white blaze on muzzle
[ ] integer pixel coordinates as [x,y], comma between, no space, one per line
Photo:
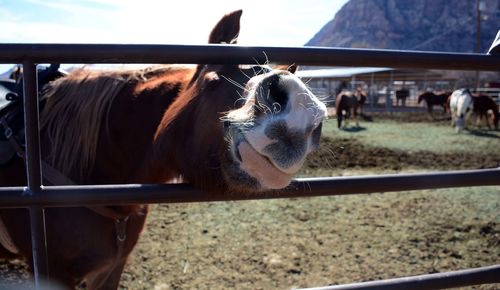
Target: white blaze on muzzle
[277,143]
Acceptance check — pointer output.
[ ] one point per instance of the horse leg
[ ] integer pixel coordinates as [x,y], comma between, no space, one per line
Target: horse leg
[339,119]
[355,116]
[113,279]
[429,109]
[105,275]
[486,117]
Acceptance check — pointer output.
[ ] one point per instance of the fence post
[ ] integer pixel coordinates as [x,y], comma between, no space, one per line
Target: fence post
[33,172]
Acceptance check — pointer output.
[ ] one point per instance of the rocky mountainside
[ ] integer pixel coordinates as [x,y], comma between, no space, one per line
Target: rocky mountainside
[432,25]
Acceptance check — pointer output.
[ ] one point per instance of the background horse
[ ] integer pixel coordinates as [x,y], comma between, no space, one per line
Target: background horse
[431,99]
[347,104]
[401,96]
[460,104]
[362,97]
[481,105]
[223,128]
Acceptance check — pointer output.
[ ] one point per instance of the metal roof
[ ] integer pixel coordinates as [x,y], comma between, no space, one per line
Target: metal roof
[340,72]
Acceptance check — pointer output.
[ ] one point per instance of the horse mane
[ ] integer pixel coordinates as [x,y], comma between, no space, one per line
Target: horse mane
[77,107]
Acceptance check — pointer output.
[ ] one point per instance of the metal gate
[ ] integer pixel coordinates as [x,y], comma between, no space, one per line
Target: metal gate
[36,197]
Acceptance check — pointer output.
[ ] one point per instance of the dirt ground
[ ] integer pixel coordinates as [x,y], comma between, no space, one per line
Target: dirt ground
[296,243]
[312,242]
[347,153]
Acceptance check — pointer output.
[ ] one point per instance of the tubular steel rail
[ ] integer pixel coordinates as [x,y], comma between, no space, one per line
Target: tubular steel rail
[214,54]
[36,197]
[428,282]
[87,195]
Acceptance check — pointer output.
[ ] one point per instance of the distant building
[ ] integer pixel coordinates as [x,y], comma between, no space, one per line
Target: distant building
[381,84]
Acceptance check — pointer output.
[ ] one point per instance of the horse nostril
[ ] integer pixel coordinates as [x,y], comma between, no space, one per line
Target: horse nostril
[278,92]
[273,95]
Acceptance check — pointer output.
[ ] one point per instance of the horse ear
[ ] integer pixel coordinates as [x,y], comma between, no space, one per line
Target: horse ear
[227,29]
[291,68]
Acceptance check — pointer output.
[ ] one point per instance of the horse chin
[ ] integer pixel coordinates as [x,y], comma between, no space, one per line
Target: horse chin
[262,169]
[251,170]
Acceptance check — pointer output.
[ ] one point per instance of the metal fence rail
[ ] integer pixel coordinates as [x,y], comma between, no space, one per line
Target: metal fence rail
[36,197]
[59,196]
[220,53]
[428,282]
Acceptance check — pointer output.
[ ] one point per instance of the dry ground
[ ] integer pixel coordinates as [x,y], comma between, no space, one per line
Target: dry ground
[292,243]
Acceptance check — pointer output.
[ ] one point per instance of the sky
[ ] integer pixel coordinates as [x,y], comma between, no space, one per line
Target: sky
[264,22]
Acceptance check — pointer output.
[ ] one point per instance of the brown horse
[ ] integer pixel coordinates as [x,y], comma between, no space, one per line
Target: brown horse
[347,104]
[223,128]
[431,99]
[481,104]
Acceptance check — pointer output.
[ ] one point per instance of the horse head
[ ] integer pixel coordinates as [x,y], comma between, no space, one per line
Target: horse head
[420,98]
[242,127]
[423,96]
[496,117]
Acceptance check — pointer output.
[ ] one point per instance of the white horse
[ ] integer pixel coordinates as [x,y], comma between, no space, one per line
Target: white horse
[460,104]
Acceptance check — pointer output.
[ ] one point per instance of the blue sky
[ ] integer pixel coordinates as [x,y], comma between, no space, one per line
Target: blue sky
[264,22]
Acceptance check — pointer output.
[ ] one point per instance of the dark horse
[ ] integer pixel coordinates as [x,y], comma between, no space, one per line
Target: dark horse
[223,128]
[431,99]
[347,104]
[481,104]
[402,95]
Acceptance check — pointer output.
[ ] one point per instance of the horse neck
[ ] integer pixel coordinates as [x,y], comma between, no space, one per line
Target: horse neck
[185,142]
[464,103]
[136,112]
[425,96]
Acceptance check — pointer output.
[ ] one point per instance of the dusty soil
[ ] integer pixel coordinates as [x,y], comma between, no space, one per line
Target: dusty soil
[348,153]
[294,243]
[284,244]
[437,118]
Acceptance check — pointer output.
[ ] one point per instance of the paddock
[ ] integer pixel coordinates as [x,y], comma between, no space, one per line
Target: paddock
[383,84]
[36,196]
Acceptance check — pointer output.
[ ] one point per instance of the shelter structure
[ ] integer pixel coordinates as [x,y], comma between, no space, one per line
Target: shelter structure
[380,83]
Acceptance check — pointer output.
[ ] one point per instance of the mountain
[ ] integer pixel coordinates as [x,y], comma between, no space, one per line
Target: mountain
[431,25]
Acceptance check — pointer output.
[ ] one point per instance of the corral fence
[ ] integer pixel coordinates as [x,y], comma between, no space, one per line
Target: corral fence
[36,197]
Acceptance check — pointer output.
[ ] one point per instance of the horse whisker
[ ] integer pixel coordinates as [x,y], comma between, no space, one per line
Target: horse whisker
[247,76]
[235,83]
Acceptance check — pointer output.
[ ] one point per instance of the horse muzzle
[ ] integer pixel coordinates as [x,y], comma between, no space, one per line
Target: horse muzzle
[272,154]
